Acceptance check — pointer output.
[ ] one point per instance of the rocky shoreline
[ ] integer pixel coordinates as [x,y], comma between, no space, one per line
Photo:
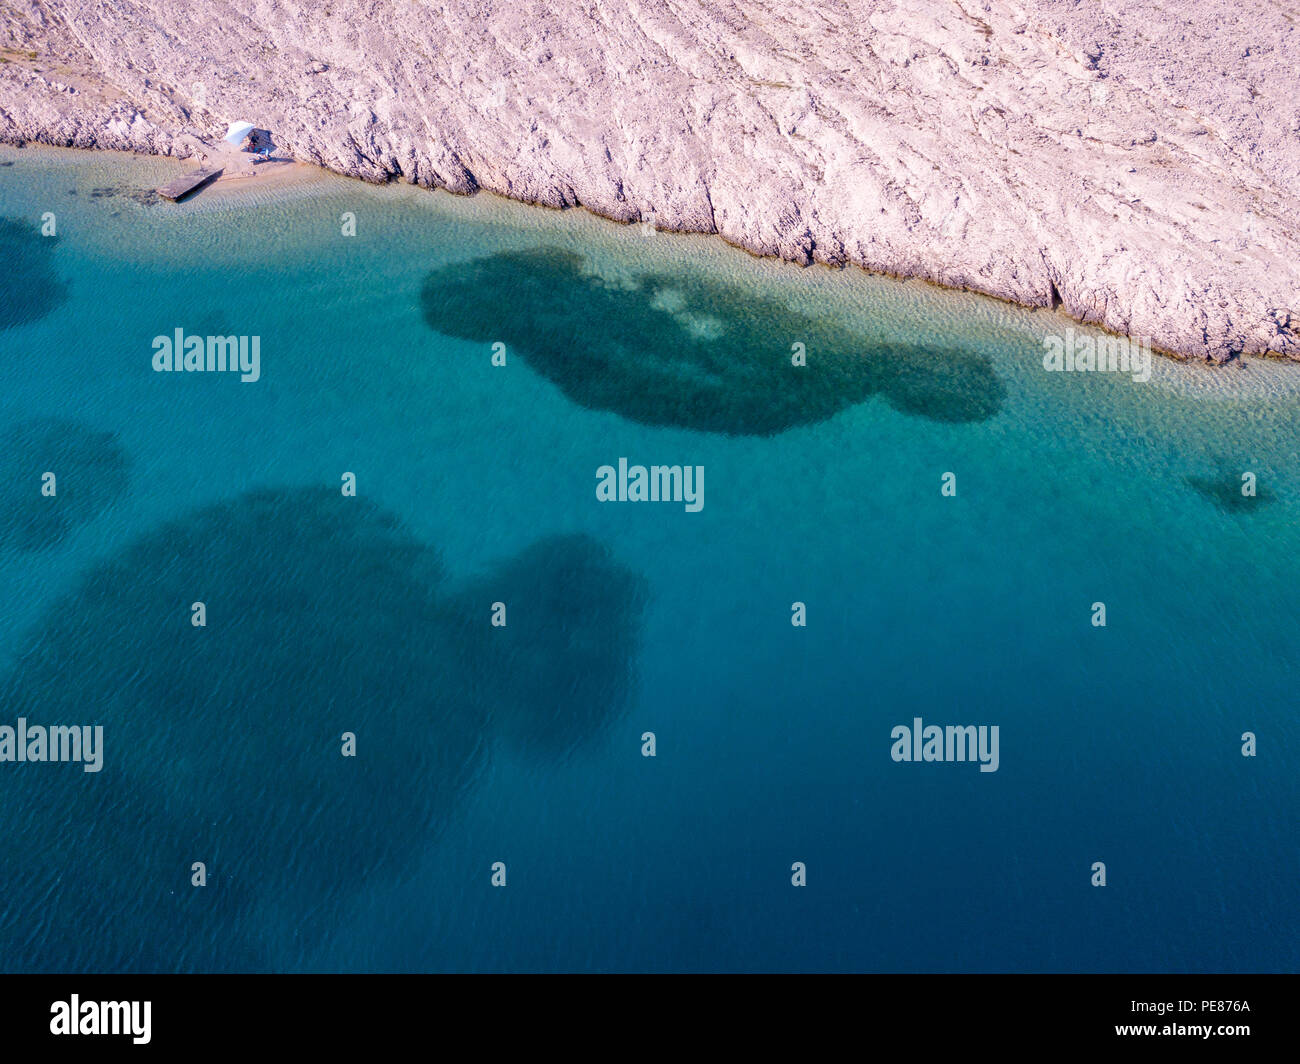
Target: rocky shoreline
[1137,166]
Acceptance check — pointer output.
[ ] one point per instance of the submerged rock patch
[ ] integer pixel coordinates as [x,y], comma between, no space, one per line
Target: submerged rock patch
[1225,490]
[32,287]
[694,353]
[89,469]
[569,602]
[223,743]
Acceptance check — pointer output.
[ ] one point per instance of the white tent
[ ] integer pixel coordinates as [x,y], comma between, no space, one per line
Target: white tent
[237,132]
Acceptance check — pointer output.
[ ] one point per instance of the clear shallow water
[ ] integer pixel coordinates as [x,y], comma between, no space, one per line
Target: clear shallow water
[477,484]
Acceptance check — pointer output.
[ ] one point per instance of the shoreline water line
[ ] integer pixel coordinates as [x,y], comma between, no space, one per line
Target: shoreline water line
[296,178]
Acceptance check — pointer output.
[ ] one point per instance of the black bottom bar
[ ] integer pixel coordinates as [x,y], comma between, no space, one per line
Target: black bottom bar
[340,1014]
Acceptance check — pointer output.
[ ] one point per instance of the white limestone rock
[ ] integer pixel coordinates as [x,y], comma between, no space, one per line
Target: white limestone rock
[1137,160]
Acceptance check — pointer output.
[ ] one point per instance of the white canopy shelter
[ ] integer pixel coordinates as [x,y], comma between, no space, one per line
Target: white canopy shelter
[237,132]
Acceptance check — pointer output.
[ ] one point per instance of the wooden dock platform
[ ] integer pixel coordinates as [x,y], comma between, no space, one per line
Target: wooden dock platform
[187,183]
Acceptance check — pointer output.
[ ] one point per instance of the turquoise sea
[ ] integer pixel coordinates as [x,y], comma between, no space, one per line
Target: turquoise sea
[328,613]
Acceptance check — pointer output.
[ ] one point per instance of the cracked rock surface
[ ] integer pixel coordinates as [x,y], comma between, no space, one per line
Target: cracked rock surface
[1137,161]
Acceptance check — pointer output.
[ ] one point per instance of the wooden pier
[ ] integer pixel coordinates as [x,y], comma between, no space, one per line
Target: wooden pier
[187,183]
